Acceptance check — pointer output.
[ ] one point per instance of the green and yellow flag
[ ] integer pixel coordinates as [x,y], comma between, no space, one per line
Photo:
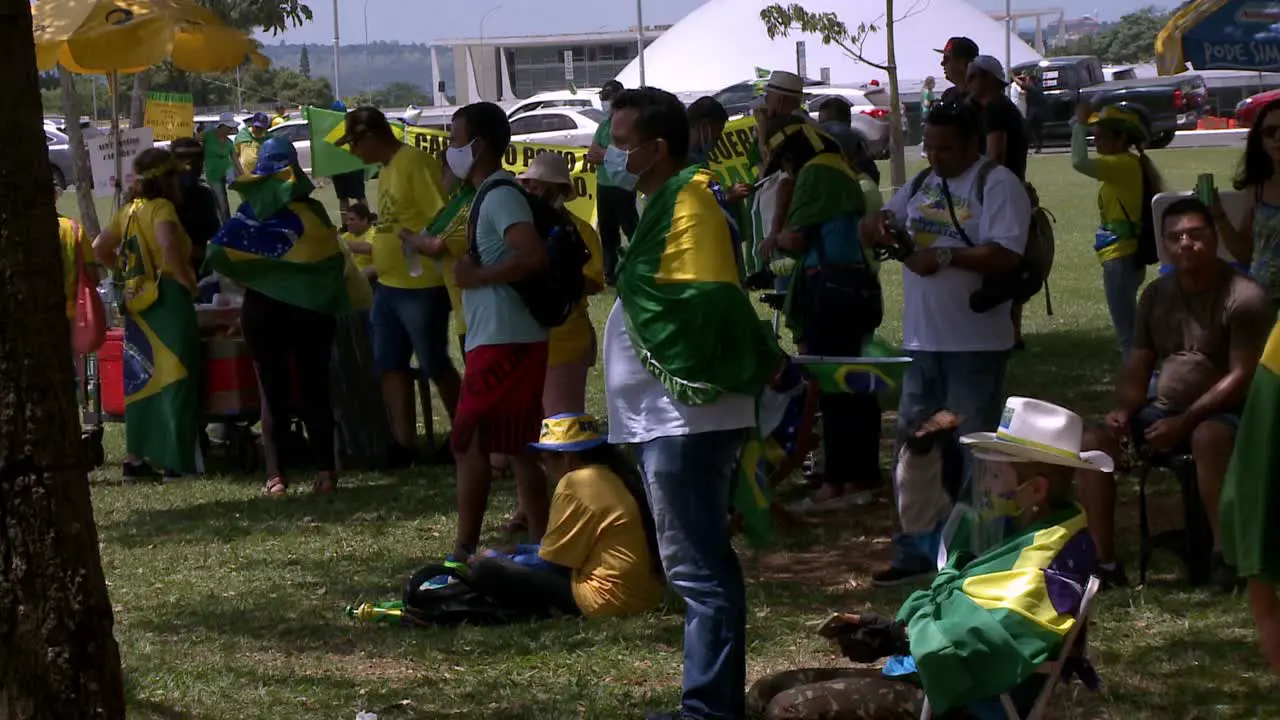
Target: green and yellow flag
[326,128]
[1250,534]
[692,324]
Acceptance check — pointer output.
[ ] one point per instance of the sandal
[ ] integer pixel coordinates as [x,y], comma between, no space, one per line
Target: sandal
[276,486]
[326,484]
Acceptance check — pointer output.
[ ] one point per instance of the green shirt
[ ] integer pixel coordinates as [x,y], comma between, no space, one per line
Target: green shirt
[217,157]
[603,138]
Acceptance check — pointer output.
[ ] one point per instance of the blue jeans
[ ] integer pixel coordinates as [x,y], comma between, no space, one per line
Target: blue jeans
[969,384]
[688,480]
[1121,280]
[409,322]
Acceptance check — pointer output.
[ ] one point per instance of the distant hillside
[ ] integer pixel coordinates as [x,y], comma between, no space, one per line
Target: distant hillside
[369,67]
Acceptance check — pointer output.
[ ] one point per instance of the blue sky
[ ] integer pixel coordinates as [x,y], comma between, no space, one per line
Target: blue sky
[429,20]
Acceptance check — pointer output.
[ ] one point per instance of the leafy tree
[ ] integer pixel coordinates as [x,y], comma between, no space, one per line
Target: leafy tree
[304,63]
[1130,41]
[779,21]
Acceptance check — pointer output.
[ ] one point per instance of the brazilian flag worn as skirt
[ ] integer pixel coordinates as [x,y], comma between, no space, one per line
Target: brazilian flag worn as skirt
[161,351]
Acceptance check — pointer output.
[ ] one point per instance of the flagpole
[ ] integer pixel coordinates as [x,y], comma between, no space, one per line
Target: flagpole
[1008,39]
[337,64]
[640,38]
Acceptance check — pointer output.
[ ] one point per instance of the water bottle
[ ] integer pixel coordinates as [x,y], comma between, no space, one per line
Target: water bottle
[412,259]
[384,612]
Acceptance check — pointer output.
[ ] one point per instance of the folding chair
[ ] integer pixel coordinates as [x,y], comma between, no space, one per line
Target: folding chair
[1075,646]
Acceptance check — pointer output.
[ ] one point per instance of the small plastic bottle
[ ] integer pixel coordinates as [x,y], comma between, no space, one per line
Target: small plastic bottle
[371,612]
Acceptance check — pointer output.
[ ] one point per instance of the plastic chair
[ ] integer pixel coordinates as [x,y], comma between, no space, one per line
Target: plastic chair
[1073,647]
[1194,542]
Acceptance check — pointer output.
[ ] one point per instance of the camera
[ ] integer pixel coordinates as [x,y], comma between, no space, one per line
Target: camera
[900,249]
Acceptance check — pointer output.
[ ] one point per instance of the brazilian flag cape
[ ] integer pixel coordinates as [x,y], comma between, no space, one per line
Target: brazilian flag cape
[692,324]
[282,244]
[987,623]
[1251,495]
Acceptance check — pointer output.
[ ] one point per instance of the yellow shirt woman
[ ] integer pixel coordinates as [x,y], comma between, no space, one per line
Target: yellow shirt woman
[135,225]
[73,241]
[596,529]
[361,261]
[577,336]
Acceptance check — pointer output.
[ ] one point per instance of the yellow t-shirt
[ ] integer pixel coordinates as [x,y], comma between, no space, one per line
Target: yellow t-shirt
[1119,193]
[596,530]
[247,154]
[358,289]
[137,221]
[72,239]
[577,335]
[409,196]
[361,261]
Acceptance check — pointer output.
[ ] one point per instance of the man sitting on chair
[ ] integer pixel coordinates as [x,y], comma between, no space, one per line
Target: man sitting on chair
[958,642]
[1201,328]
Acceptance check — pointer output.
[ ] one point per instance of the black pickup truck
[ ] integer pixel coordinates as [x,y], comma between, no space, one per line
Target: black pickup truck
[1172,103]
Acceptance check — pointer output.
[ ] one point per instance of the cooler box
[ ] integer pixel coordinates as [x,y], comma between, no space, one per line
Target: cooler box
[230,383]
[111,372]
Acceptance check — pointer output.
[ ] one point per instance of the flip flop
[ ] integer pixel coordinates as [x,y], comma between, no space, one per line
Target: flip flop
[275,487]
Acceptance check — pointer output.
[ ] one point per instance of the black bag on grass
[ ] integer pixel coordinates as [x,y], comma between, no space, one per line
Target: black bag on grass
[452,605]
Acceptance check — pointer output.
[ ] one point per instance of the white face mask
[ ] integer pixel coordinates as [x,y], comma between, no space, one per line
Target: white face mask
[460,160]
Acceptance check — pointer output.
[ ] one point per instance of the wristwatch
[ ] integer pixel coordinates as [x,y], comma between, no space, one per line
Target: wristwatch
[944,257]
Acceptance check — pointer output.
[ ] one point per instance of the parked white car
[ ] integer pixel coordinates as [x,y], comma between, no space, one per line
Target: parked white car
[570,126]
[583,98]
[300,135]
[869,101]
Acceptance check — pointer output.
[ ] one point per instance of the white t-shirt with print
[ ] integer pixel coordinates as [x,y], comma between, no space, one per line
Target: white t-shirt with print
[640,409]
[936,315]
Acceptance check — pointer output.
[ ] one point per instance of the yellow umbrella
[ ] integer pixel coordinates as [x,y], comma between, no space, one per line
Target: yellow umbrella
[127,36]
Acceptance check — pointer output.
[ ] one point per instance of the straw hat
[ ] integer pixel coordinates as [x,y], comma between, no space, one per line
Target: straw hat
[550,167]
[1037,431]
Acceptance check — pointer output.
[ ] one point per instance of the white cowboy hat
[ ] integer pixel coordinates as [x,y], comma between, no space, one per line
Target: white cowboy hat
[785,83]
[550,167]
[1037,431]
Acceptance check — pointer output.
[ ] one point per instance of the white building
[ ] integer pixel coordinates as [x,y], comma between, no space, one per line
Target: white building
[506,68]
[723,41]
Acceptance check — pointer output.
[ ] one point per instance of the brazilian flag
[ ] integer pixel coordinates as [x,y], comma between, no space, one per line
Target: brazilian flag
[692,324]
[326,128]
[1250,534]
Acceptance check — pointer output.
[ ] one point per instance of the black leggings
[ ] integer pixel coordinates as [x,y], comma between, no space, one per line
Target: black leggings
[285,339]
[525,590]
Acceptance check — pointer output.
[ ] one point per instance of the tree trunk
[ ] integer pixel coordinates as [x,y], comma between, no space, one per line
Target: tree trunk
[897,163]
[83,178]
[138,101]
[58,659]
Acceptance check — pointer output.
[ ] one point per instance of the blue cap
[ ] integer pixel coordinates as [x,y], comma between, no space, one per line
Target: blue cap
[260,120]
[276,155]
[338,106]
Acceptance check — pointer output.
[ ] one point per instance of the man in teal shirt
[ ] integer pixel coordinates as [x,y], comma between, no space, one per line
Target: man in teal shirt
[218,147]
[615,205]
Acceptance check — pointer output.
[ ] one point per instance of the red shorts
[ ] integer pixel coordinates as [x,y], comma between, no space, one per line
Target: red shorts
[501,399]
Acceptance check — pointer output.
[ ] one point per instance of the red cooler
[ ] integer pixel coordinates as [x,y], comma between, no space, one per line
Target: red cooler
[230,383]
[111,372]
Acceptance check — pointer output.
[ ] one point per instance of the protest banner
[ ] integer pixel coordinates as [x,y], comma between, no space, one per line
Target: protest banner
[102,158]
[170,116]
[518,158]
[735,158]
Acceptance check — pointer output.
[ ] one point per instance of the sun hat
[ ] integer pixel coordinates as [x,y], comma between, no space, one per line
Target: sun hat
[260,121]
[784,83]
[569,432]
[1124,117]
[1036,431]
[989,65]
[550,167]
[227,120]
[960,46]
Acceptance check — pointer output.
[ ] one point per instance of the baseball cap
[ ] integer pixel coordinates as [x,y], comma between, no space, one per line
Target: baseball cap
[260,120]
[365,121]
[227,120]
[960,46]
[989,65]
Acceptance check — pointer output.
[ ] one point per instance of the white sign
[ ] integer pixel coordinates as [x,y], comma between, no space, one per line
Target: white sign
[568,64]
[102,158]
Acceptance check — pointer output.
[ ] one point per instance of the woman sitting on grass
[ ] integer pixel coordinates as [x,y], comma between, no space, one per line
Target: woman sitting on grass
[599,557]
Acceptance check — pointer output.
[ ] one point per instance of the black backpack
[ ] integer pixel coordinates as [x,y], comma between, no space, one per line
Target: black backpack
[552,294]
[449,606]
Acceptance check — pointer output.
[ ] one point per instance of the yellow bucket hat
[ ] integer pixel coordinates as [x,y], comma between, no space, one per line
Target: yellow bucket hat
[569,432]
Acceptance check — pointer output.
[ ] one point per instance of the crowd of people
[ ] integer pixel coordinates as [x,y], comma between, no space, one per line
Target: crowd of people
[689,365]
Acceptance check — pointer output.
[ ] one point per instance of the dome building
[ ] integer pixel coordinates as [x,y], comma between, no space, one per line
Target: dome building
[722,42]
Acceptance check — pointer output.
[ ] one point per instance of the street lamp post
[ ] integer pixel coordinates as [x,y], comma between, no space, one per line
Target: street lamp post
[337,64]
[640,39]
[484,17]
[368,72]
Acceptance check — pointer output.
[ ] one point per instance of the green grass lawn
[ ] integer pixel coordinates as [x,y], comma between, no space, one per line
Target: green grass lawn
[230,606]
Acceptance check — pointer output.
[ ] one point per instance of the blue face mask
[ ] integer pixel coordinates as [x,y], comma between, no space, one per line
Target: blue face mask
[615,161]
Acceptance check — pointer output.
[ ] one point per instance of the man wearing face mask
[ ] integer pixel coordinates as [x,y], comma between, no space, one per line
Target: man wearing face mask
[500,407]
[686,356]
[615,205]
[410,314]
